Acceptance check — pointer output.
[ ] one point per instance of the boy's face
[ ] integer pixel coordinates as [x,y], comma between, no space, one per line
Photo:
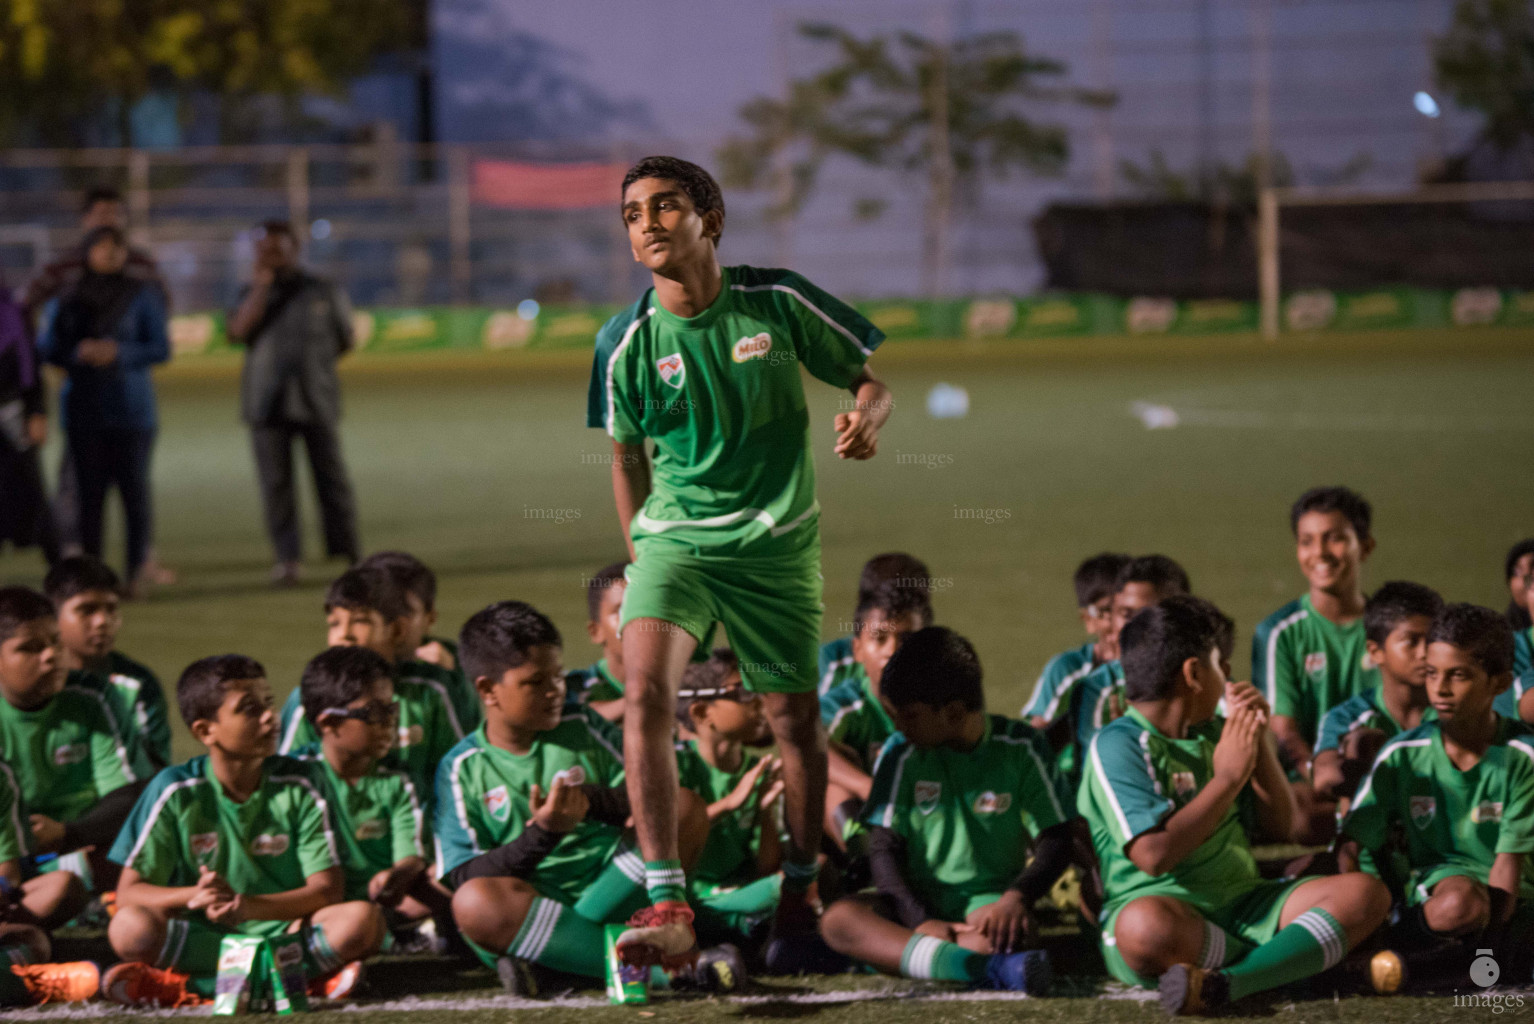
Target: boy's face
[417,624]
[530,697]
[246,724]
[736,717]
[375,728]
[1520,585]
[1209,674]
[31,665]
[1329,551]
[1457,686]
[603,630]
[88,623]
[365,627]
[665,229]
[1129,601]
[927,726]
[1403,656]
[1097,616]
[873,645]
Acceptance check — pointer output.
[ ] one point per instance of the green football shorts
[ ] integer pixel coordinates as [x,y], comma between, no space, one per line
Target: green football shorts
[770,610]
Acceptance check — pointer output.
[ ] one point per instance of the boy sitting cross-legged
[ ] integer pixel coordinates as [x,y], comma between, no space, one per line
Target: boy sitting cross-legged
[1186,908]
[1397,619]
[957,796]
[238,841]
[1095,581]
[379,817]
[530,811]
[1461,790]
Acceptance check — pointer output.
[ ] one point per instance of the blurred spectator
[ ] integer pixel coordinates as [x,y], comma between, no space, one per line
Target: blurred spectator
[25,518]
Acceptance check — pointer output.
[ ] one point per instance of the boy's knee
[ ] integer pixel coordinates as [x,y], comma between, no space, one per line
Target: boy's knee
[485,915]
[1372,898]
[355,929]
[1144,934]
[838,925]
[136,934]
[1458,906]
[795,719]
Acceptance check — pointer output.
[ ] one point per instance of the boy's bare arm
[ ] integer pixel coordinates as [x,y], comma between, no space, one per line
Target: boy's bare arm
[631,484]
[1327,775]
[133,891]
[321,889]
[1275,797]
[1502,886]
[842,772]
[1292,742]
[858,431]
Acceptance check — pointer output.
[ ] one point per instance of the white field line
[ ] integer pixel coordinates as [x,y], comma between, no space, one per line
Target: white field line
[1160,416]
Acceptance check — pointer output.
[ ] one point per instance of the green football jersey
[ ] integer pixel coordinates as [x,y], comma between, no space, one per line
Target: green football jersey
[721,396]
[428,729]
[1134,777]
[734,839]
[835,664]
[967,816]
[482,803]
[596,683]
[15,827]
[1051,694]
[272,842]
[455,688]
[1306,664]
[855,718]
[138,703]
[1507,702]
[1365,711]
[379,819]
[1096,700]
[1450,818]
[67,754]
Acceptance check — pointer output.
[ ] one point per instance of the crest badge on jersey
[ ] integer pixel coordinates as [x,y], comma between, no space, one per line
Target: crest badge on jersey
[1423,809]
[926,796]
[755,347]
[1486,812]
[70,753]
[992,803]
[1185,784]
[498,803]
[1315,664]
[672,370]
[373,828]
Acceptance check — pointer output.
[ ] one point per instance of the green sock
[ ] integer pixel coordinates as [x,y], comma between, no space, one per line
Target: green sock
[617,892]
[665,881]
[926,957]
[13,991]
[191,947]
[556,937]
[797,877]
[1310,944]
[320,957]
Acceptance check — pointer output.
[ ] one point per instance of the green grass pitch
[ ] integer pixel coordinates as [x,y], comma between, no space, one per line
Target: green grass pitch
[483,467]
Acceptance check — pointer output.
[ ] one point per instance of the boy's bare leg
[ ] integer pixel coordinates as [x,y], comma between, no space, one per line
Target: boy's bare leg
[655,653]
[795,719]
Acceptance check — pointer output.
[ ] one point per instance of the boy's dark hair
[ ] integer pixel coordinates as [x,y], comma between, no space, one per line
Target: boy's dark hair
[704,681]
[278,227]
[1394,603]
[597,586]
[698,184]
[71,577]
[336,677]
[201,688]
[1478,630]
[499,637]
[100,194]
[934,666]
[1095,577]
[1517,615]
[412,574]
[1166,576]
[1353,506]
[1156,642]
[894,602]
[362,589]
[898,569]
[19,606]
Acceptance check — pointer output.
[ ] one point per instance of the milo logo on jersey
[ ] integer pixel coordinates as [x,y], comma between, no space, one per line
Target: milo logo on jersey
[672,370]
[1315,664]
[1184,784]
[754,347]
[204,844]
[269,845]
[574,775]
[1423,809]
[992,803]
[1487,812]
[70,753]
[373,828]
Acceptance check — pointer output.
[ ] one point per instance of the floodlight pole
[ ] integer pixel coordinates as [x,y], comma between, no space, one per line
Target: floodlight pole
[1267,262]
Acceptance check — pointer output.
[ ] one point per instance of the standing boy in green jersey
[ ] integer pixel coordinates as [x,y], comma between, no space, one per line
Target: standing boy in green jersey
[1095,580]
[1461,790]
[958,798]
[857,722]
[1311,654]
[897,569]
[62,742]
[367,608]
[736,877]
[1397,619]
[723,525]
[379,818]
[432,658]
[238,841]
[530,811]
[1186,909]
[600,687]
[1517,701]
[87,595]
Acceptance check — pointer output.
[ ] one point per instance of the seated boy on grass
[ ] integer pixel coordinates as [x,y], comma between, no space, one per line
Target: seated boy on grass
[1517,701]
[367,608]
[530,812]
[1460,789]
[1095,581]
[600,686]
[958,797]
[87,595]
[1397,619]
[379,817]
[237,841]
[62,742]
[835,661]
[736,878]
[1187,911]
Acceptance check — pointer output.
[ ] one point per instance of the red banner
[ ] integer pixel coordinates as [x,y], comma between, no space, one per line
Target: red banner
[518,186]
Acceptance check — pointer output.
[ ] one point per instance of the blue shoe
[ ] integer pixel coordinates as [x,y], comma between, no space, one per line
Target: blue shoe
[1028,972]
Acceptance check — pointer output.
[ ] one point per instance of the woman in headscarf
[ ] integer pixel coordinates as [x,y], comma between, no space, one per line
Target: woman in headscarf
[107,333]
[25,518]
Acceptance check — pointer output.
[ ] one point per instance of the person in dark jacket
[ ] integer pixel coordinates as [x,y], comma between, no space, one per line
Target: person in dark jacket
[107,332]
[295,326]
[25,518]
